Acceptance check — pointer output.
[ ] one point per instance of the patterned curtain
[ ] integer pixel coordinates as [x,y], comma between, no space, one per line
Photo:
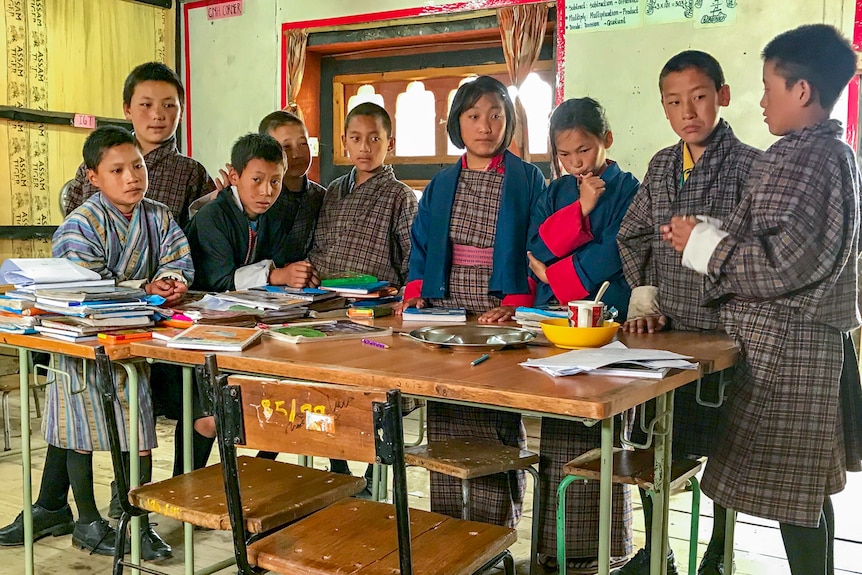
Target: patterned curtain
[296,43]
[522,29]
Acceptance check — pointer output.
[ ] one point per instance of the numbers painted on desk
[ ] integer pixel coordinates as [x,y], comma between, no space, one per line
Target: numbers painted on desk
[271,408]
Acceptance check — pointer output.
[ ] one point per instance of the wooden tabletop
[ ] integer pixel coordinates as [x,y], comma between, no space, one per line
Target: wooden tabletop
[443,374]
[84,350]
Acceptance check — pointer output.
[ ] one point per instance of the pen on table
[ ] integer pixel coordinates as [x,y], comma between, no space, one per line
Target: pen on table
[480,359]
[373,343]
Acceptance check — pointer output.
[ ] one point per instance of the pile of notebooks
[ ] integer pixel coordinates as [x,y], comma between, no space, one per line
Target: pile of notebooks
[614,359]
[82,313]
[360,287]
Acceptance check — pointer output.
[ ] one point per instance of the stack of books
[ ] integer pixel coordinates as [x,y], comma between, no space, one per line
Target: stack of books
[83,313]
[531,317]
[30,274]
[360,287]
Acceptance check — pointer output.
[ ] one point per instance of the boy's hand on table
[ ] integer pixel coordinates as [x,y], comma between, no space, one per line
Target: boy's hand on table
[538,268]
[416,302]
[677,232]
[497,314]
[645,324]
[590,188]
[296,275]
[171,290]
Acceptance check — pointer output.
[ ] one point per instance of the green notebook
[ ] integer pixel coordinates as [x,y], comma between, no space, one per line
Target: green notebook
[348,278]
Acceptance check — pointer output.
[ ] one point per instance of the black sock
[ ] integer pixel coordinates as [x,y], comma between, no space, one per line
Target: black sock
[646,502]
[54,492]
[806,547]
[80,467]
[339,466]
[719,524]
[829,516]
[201,449]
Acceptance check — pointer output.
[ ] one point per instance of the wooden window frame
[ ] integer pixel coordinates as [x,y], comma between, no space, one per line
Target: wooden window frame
[339,157]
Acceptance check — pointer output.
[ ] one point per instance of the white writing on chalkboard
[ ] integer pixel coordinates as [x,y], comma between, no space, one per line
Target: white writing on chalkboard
[602,14]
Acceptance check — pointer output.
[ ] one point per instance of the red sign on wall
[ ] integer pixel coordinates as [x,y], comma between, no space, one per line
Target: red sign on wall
[227,9]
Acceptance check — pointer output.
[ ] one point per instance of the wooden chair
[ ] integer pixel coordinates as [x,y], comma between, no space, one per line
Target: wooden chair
[468,459]
[274,493]
[631,467]
[352,535]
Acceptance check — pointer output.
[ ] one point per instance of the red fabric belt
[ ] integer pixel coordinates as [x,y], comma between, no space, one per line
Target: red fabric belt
[471,256]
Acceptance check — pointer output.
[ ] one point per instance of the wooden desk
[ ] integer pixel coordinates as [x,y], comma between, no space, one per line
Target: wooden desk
[500,382]
[447,375]
[85,350]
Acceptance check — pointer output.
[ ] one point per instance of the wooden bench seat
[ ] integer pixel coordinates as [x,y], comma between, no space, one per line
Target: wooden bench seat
[632,467]
[360,537]
[199,497]
[466,458]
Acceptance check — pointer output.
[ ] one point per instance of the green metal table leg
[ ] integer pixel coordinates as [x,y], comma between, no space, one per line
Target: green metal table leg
[188,464]
[663,459]
[605,496]
[729,528]
[134,458]
[27,510]
[561,521]
[695,524]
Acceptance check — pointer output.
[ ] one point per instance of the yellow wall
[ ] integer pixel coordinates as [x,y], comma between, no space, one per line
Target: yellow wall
[64,56]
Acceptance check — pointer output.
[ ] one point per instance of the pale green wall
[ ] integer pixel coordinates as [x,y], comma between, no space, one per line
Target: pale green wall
[235,70]
[621,68]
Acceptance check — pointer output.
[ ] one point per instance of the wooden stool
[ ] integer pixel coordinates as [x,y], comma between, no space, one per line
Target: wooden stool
[468,459]
[630,468]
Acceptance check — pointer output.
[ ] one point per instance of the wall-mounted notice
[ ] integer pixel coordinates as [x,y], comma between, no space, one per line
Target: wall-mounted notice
[227,9]
[585,15]
[665,11]
[708,13]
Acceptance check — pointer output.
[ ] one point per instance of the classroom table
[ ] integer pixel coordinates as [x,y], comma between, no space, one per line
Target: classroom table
[85,350]
[500,383]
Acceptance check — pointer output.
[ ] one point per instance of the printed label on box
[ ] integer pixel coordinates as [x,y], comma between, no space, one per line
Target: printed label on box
[84,121]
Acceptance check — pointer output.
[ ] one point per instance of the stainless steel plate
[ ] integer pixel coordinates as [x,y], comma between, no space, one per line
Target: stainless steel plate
[473,337]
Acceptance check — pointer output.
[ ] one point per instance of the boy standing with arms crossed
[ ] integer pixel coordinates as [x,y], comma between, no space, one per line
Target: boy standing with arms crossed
[784,267]
[703,173]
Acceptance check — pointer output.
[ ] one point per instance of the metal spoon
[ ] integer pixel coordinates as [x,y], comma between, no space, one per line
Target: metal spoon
[602,291]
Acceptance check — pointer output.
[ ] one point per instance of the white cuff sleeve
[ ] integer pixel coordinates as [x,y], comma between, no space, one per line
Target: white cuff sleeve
[702,242]
[171,276]
[254,275]
[710,220]
[643,302]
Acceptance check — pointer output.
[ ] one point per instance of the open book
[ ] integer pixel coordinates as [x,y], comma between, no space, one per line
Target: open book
[215,338]
[304,332]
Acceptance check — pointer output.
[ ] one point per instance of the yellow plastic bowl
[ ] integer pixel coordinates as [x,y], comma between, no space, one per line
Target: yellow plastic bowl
[561,335]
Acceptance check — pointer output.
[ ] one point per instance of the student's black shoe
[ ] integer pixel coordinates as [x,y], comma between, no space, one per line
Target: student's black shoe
[97,537]
[114,509]
[712,562]
[153,547]
[639,565]
[45,523]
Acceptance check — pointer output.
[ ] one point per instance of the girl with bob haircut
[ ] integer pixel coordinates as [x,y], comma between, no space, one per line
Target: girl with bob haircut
[469,242]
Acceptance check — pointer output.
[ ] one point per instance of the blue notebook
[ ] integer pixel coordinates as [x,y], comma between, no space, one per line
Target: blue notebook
[435,314]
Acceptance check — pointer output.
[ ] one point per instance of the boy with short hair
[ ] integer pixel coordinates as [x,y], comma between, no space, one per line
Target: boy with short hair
[298,205]
[784,267]
[233,237]
[703,173]
[364,224]
[122,235]
[152,100]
